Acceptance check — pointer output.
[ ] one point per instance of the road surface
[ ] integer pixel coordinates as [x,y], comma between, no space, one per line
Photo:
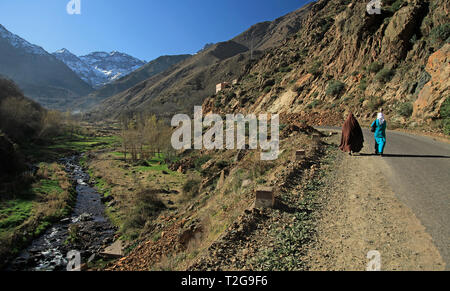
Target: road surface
[419,175]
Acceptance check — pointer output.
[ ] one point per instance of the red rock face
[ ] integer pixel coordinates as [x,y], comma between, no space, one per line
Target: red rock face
[435,92]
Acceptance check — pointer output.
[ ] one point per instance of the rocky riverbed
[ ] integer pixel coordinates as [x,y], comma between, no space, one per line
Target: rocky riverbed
[86,231]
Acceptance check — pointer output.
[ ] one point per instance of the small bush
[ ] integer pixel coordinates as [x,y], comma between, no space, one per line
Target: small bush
[315,68]
[314,104]
[198,163]
[375,103]
[445,115]
[285,69]
[363,84]
[267,89]
[191,188]
[223,164]
[335,88]
[375,67]
[440,33]
[396,6]
[145,205]
[385,75]
[406,109]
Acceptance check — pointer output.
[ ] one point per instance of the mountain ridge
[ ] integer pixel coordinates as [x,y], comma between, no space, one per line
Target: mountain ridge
[99,68]
[38,73]
[190,82]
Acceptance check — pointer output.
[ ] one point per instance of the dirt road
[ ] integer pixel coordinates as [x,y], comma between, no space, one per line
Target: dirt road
[398,205]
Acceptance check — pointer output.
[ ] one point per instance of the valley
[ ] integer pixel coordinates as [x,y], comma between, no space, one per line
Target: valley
[228,159]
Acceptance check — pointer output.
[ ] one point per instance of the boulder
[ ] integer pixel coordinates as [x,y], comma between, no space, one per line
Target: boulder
[265,197]
[401,28]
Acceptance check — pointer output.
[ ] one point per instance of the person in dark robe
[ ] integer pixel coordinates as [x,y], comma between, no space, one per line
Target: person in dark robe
[352,140]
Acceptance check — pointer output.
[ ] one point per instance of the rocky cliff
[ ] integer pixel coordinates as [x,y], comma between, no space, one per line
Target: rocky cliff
[341,59]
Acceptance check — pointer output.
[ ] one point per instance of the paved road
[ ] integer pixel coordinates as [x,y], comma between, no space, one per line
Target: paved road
[420,177]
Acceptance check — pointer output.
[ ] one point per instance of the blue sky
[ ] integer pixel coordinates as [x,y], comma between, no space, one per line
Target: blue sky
[143,28]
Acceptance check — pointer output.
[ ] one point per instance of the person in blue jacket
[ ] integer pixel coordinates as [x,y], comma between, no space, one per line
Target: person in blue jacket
[380,134]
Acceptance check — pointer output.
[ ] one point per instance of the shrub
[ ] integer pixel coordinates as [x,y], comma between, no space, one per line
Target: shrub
[375,67]
[375,103]
[440,33]
[445,115]
[145,205]
[267,89]
[198,163]
[285,69]
[314,104]
[406,109]
[191,188]
[385,75]
[335,88]
[314,69]
[223,164]
[396,6]
[363,84]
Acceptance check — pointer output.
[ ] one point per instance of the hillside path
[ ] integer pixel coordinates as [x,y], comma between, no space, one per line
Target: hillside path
[398,205]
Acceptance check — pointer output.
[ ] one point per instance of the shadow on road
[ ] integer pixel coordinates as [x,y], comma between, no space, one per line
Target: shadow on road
[406,156]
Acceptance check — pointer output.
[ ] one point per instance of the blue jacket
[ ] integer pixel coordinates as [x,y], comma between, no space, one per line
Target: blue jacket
[380,131]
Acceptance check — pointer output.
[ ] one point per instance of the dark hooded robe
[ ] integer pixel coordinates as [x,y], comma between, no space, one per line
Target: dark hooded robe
[352,139]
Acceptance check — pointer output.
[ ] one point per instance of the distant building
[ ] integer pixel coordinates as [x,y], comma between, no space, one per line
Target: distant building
[221,86]
[235,82]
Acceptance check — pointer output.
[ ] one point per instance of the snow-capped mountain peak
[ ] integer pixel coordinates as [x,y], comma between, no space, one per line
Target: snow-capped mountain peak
[20,43]
[100,68]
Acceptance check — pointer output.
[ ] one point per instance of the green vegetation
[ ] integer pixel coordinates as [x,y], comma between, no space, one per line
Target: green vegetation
[405,109]
[79,143]
[396,6]
[441,33]
[375,67]
[285,69]
[445,115]
[363,84]
[335,88]
[385,75]
[13,213]
[315,68]
[74,234]
[146,206]
[314,104]
[47,198]
[290,238]
[191,188]
[375,103]
[267,89]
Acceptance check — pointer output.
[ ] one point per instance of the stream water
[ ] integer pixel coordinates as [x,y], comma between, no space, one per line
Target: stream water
[49,251]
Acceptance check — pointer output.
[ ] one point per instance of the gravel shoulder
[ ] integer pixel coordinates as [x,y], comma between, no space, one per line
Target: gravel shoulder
[360,212]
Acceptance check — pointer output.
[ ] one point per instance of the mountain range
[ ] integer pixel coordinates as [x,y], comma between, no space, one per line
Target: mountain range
[321,61]
[63,80]
[188,83]
[39,74]
[99,68]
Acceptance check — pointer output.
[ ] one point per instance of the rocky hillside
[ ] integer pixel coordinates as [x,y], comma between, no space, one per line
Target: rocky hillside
[344,59]
[320,61]
[150,69]
[39,74]
[190,82]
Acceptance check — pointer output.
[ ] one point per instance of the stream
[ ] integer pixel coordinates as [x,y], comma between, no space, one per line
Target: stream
[94,232]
